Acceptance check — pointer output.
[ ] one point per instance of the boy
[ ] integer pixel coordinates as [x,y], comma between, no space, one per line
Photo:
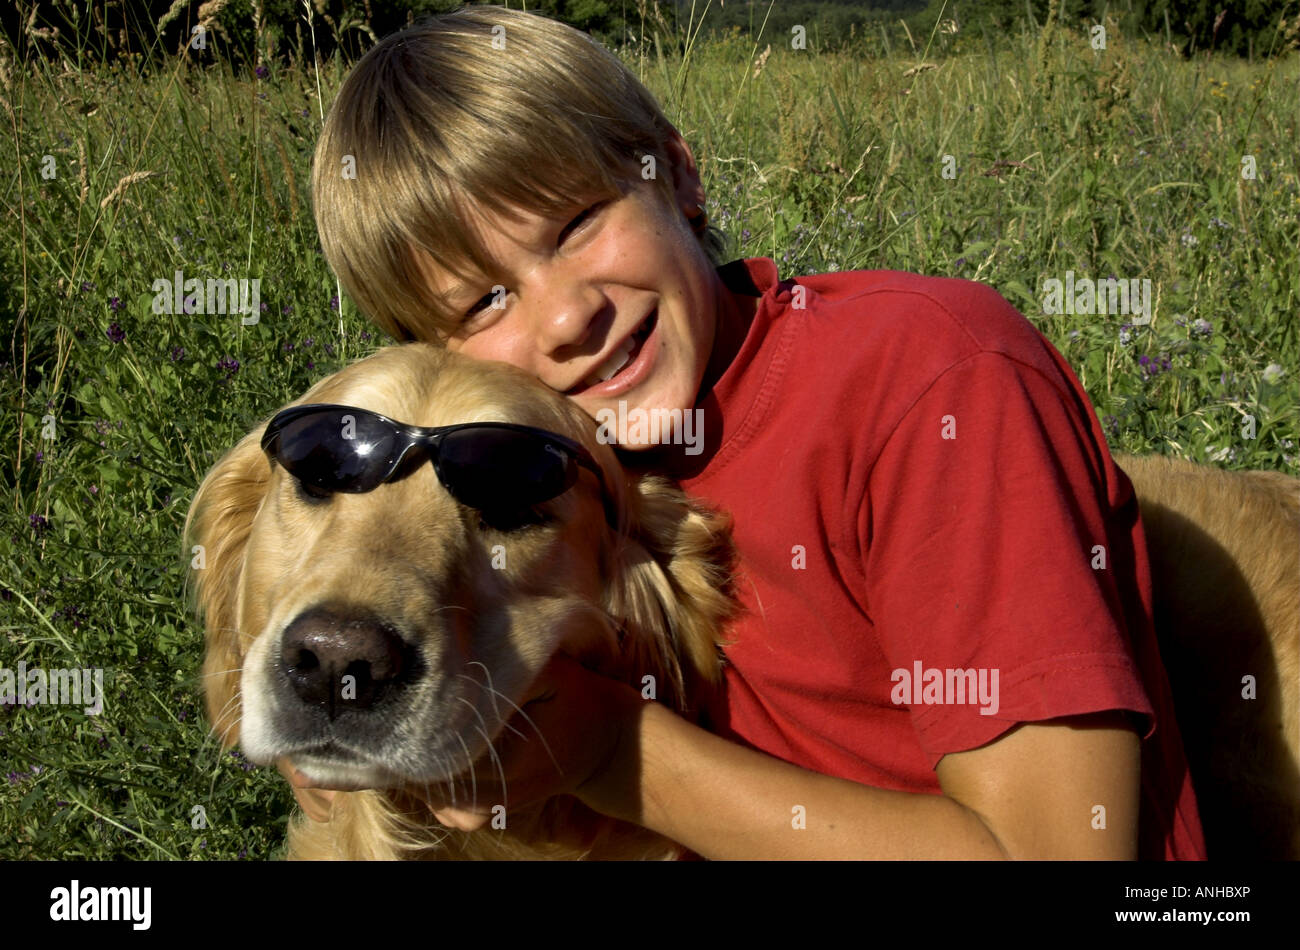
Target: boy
[922,495]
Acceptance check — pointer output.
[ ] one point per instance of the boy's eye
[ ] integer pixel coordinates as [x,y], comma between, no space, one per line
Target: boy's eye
[487,300]
[579,219]
[484,312]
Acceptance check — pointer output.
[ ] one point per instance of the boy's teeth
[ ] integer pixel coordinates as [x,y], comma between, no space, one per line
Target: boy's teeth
[617,360]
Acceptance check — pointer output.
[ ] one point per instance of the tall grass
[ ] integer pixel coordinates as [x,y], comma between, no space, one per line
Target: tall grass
[1124,161]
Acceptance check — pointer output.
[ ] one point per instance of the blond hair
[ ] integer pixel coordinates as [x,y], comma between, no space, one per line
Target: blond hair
[482,109]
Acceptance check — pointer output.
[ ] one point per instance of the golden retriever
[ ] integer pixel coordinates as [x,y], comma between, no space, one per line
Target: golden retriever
[446,614]
[455,613]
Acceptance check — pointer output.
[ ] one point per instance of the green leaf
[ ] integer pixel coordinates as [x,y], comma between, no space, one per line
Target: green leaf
[30,799]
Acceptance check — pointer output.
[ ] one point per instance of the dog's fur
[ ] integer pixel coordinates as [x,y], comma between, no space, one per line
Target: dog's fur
[633,579]
[1225,564]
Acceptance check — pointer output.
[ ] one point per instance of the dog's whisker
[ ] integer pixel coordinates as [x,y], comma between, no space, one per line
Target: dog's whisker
[500,720]
[219,718]
[237,669]
[496,760]
[450,784]
[480,718]
[482,728]
[469,767]
[528,719]
[492,692]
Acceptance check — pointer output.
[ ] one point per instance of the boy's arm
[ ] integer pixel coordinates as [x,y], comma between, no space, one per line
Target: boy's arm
[1031,794]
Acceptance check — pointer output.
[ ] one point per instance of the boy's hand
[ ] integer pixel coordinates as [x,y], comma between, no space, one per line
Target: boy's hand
[566,741]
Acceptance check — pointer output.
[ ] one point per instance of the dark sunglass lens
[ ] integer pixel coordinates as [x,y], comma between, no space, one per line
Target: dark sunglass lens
[338,450]
[489,468]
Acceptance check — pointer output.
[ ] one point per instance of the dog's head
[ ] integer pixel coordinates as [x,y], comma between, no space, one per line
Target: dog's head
[384,638]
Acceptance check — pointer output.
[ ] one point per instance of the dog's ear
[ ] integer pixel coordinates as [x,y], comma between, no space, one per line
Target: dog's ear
[672,570]
[217,529]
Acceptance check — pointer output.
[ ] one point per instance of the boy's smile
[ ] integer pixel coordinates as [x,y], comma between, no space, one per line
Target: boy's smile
[616,302]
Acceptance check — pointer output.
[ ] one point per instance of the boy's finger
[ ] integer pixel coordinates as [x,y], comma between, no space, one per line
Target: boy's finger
[316,803]
[457,818]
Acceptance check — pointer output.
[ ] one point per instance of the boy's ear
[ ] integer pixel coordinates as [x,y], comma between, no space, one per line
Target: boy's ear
[687,188]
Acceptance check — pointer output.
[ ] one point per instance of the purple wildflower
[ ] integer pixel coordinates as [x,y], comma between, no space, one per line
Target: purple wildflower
[87,286]
[334,302]
[115,303]
[115,333]
[288,309]
[262,72]
[39,523]
[177,353]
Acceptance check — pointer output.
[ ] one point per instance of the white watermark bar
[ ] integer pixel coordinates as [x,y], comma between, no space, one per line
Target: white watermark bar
[652,427]
[921,686]
[1109,296]
[179,295]
[37,686]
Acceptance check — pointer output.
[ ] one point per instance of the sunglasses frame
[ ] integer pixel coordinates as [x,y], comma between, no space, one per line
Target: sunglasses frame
[427,439]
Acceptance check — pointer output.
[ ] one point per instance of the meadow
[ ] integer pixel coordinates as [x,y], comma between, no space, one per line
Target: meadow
[1012,160]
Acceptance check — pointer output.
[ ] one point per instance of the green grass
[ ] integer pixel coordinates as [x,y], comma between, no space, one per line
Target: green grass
[1129,164]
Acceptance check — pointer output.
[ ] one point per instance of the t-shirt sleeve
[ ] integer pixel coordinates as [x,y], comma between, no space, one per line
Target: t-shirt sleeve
[991,545]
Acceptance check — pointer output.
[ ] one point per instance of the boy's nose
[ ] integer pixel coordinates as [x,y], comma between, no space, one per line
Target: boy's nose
[566,316]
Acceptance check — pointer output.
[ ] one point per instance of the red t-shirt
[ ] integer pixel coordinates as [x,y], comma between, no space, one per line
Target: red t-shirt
[917,477]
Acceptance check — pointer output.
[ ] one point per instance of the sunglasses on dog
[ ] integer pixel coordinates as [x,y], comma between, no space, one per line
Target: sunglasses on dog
[485,465]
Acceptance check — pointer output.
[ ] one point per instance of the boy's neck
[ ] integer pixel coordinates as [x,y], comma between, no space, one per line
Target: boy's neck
[737,300]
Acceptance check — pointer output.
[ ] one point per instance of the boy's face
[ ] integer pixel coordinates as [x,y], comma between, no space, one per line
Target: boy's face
[619,290]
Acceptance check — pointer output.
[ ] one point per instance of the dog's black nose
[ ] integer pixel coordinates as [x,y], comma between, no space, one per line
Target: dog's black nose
[343,661]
